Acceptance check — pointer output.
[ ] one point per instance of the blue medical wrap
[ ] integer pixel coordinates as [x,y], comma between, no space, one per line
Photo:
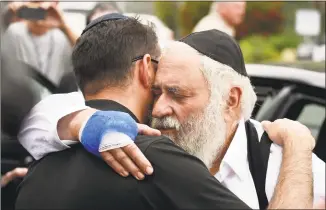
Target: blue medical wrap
[104,122]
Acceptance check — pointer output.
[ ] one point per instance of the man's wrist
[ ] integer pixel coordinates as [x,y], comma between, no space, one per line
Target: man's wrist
[304,145]
[73,122]
[64,28]
[78,120]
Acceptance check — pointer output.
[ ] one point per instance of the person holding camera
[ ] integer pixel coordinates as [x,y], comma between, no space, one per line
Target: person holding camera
[41,39]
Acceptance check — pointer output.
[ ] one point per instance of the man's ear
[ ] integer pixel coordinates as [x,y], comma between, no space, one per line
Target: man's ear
[233,103]
[144,71]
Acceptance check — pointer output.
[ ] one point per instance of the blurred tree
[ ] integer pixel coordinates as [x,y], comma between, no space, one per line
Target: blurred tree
[166,11]
[262,18]
[257,49]
[285,40]
[191,13]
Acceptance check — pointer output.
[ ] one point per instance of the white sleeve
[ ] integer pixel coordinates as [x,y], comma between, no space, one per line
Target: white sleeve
[318,167]
[38,133]
[274,165]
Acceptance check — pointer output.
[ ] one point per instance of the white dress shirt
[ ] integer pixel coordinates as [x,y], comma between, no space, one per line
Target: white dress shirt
[39,136]
[235,174]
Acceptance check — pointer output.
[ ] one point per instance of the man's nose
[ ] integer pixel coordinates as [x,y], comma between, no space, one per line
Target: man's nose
[162,107]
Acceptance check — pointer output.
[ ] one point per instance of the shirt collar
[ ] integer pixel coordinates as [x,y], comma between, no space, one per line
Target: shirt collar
[235,158]
[109,105]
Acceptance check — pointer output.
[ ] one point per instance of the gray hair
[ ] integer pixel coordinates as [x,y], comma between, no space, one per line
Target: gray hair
[221,78]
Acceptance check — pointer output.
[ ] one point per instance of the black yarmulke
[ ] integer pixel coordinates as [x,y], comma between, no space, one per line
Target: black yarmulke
[112,16]
[219,46]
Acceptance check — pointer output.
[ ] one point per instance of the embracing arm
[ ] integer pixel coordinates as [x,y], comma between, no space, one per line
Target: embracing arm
[295,183]
[294,188]
[59,120]
[38,132]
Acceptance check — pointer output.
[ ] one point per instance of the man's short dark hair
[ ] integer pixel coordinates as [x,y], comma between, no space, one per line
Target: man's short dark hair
[102,56]
[102,7]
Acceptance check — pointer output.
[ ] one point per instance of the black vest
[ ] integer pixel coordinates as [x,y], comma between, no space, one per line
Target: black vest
[258,155]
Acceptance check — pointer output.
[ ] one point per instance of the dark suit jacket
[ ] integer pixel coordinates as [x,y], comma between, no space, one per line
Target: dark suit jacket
[76,179]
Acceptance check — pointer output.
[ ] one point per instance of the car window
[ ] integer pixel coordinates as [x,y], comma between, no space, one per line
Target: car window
[312,116]
[261,107]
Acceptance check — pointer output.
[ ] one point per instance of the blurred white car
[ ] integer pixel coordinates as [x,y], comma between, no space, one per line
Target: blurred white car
[318,53]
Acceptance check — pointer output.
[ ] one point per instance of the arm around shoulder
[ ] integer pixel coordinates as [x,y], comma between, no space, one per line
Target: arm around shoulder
[38,133]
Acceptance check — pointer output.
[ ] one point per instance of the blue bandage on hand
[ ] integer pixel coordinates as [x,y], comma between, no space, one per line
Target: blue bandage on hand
[103,123]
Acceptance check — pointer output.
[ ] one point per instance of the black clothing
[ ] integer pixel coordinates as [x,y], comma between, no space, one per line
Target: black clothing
[68,83]
[258,155]
[76,179]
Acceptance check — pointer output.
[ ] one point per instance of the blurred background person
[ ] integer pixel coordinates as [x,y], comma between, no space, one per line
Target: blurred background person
[8,13]
[164,33]
[42,40]
[223,16]
[101,9]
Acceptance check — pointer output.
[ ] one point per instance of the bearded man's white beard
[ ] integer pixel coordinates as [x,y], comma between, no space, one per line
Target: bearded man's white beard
[202,135]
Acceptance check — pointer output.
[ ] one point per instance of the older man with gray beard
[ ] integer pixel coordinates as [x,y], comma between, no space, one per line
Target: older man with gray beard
[203,101]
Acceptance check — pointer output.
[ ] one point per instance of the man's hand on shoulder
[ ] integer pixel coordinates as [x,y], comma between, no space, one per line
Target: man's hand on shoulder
[289,133]
[295,180]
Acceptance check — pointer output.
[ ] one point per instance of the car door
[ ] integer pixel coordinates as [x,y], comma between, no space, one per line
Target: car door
[303,103]
[307,105]
[266,90]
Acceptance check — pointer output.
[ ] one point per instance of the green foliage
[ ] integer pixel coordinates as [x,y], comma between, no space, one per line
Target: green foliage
[262,18]
[191,13]
[257,49]
[285,40]
[264,34]
[166,11]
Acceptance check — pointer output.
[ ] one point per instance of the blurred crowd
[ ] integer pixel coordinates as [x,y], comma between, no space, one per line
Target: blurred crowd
[45,43]
[41,42]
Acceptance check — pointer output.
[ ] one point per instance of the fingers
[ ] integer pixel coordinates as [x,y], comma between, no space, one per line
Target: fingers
[146,130]
[266,124]
[113,163]
[124,159]
[14,6]
[139,158]
[11,175]
[128,159]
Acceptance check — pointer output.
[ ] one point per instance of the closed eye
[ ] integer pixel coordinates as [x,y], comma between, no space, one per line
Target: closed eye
[175,92]
[156,91]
